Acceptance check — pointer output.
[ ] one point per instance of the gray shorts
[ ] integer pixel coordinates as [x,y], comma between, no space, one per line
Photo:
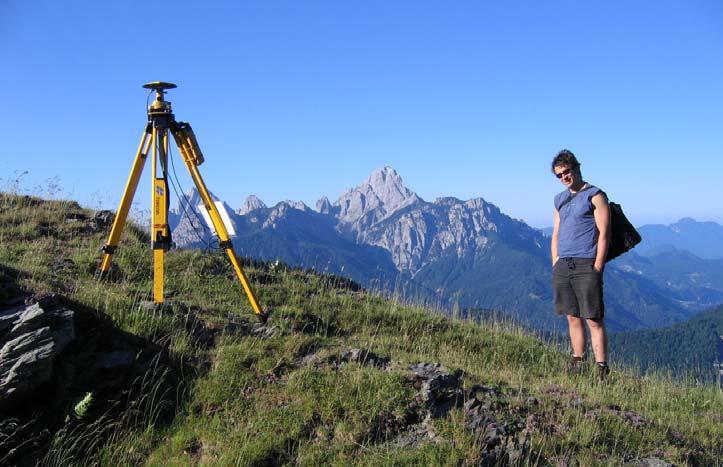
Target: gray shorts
[578,288]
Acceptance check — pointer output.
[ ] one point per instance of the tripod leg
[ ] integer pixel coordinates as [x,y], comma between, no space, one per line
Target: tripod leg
[125,203]
[160,231]
[159,236]
[192,157]
[224,239]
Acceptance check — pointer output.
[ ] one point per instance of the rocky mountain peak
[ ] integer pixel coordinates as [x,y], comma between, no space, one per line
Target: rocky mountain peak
[389,187]
[300,205]
[383,192]
[323,206]
[252,203]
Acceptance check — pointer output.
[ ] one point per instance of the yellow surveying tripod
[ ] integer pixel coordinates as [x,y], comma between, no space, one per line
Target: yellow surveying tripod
[161,121]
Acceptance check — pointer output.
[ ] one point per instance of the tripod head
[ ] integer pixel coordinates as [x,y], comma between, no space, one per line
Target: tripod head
[159,86]
[159,106]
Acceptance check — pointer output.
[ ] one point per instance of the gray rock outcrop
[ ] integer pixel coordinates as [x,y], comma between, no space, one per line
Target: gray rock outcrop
[31,336]
[439,389]
[378,197]
[323,206]
[281,210]
[252,203]
[296,205]
[423,232]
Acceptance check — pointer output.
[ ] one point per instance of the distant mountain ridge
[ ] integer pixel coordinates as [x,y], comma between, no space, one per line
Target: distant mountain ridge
[703,239]
[690,280]
[455,253]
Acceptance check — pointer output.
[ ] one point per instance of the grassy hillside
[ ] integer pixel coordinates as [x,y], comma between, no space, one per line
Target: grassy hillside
[334,377]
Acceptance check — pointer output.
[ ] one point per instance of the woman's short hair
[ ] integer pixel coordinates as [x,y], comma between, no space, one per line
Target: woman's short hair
[565,157]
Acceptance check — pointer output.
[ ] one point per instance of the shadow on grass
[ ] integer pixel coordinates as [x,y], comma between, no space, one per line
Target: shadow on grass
[107,382]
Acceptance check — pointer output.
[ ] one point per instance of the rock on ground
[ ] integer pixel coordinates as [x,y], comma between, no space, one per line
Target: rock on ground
[30,336]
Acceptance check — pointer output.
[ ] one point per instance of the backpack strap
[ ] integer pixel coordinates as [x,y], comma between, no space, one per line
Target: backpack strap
[573,195]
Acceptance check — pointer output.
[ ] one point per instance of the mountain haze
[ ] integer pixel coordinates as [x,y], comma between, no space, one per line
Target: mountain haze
[703,239]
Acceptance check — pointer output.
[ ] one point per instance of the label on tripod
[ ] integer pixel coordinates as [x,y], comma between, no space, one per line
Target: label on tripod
[224,218]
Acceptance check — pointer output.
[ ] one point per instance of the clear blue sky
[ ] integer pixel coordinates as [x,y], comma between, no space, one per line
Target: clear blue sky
[295,100]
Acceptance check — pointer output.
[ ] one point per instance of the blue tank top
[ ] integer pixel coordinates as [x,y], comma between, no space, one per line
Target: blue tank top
[577,234]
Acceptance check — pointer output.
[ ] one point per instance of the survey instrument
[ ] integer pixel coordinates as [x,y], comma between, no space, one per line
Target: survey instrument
[155,138]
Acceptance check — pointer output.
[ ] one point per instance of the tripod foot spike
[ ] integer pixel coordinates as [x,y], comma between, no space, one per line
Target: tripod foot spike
[113,274]
[264,315]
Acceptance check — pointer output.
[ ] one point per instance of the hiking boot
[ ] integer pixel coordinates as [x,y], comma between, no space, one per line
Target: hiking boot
[576,365]
[603,370]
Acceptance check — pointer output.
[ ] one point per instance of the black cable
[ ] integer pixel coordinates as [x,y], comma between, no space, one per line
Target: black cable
[148,98]
[208,245]
[185,202]
[175,175]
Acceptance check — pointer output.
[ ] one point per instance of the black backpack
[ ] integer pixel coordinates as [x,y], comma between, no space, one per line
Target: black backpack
[623,235]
